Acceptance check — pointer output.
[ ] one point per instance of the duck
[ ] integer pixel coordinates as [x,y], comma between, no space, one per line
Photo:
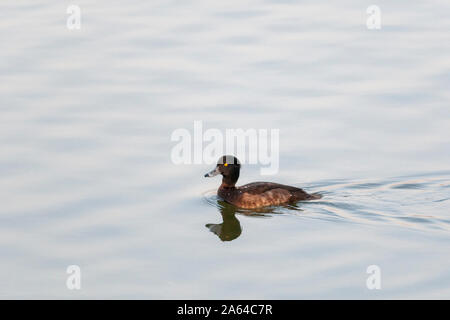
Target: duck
[255,194]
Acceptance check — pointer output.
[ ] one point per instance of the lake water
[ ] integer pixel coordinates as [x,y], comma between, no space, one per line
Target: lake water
[86,176]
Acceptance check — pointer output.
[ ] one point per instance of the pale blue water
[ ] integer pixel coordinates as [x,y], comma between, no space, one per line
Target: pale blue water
[86,176]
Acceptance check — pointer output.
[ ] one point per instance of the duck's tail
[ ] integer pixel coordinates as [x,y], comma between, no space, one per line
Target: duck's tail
[315,196]
[301,195]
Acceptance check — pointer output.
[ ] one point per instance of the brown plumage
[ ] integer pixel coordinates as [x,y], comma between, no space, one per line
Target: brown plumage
[256,194]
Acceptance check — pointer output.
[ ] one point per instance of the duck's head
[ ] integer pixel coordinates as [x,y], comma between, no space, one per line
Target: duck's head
[228,167]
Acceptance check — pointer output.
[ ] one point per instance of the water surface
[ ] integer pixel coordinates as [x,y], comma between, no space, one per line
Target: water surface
[86,176]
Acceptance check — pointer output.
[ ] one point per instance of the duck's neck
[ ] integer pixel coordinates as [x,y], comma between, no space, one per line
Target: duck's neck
[225,185]
[229,182]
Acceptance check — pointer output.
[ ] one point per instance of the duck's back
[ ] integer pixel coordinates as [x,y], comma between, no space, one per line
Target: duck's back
[261,187]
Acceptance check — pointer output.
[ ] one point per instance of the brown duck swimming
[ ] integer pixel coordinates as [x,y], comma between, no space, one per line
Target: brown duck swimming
[256,194]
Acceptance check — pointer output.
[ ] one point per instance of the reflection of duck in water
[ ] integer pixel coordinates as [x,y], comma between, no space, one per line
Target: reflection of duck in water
[230,228]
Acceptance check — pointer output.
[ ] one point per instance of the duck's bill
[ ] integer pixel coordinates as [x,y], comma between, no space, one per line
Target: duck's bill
[213,173]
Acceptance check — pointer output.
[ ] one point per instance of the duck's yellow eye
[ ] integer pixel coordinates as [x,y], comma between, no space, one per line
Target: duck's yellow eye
[225,164]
